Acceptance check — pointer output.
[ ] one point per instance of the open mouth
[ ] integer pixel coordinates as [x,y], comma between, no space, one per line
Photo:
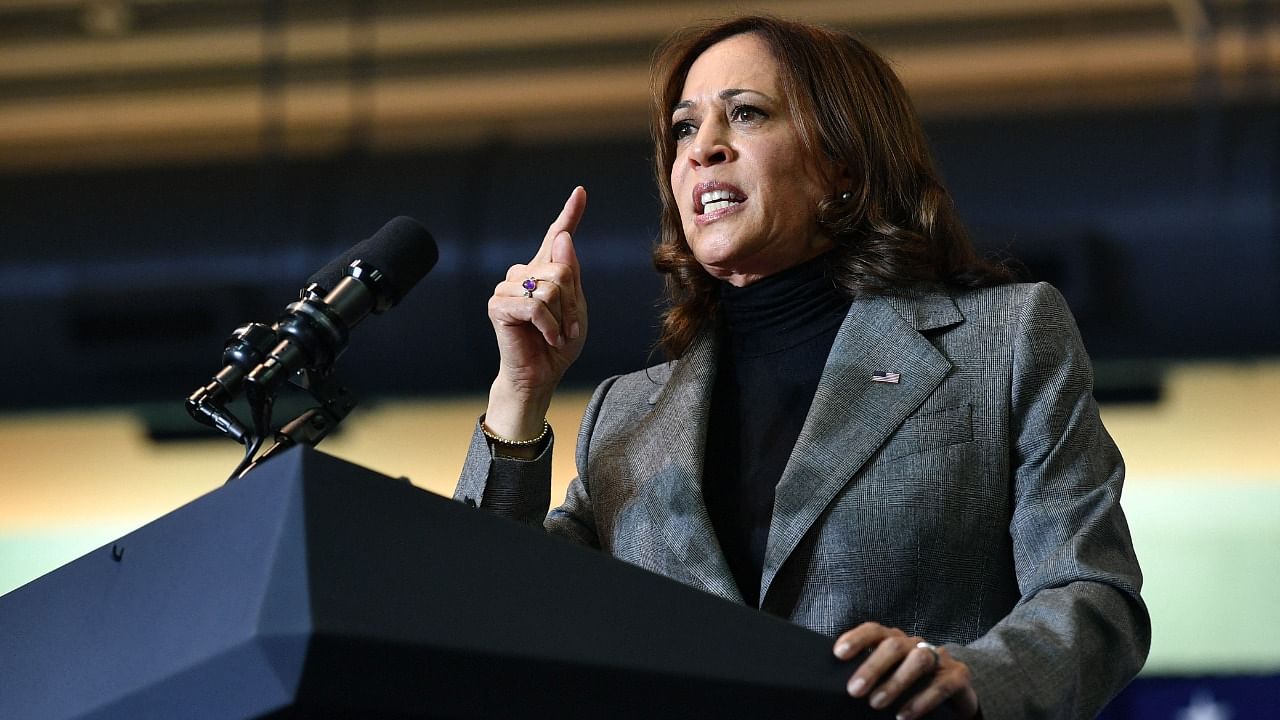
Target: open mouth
[711,198]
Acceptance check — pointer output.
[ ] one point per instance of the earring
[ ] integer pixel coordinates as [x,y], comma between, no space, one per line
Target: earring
[846,196]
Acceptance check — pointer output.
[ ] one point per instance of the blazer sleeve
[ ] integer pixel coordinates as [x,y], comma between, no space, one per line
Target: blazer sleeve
[521,489]
[1081,630]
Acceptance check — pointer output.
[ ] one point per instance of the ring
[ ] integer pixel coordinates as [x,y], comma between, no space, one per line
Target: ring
[937,659]
[529,286]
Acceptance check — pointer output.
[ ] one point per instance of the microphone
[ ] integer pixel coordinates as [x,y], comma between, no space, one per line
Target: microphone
[371,277]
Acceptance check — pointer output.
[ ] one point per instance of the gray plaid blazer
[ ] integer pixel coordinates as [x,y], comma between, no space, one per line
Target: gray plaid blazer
[976,502]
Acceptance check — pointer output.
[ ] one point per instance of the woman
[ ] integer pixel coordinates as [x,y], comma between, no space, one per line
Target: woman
[866,430]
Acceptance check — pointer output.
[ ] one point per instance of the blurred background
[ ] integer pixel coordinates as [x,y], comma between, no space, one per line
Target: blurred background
[172,169]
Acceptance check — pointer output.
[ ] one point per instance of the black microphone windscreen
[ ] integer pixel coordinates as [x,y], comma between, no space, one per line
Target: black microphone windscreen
[402,250]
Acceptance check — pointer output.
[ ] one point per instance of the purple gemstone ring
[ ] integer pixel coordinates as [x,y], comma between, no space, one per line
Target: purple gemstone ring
[529,286]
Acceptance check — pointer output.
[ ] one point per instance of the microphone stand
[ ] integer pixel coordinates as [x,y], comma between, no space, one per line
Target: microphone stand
[335,400]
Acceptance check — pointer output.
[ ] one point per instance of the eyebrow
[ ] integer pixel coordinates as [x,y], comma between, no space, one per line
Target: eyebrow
[724,95]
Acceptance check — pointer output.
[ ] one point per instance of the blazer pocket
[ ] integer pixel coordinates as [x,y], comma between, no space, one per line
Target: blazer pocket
[930,430]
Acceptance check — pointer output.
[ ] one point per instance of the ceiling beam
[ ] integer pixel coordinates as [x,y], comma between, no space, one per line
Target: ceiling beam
[480,30]
[1073,69]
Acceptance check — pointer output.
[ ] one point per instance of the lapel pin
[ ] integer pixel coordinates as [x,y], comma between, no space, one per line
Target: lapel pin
[885,377]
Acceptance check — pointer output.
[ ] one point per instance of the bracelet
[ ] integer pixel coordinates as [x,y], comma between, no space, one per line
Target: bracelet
[546,428]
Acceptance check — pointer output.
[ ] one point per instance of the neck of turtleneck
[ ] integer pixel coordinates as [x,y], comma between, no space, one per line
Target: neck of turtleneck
[781,311]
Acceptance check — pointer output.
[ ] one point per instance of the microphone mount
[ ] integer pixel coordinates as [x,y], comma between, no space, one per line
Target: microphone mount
[303,344]
[256,358]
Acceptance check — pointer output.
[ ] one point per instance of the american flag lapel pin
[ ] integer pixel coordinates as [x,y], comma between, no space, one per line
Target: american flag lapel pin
[885,377]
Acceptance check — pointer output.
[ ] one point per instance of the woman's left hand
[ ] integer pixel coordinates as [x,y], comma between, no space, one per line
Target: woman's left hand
[897,665]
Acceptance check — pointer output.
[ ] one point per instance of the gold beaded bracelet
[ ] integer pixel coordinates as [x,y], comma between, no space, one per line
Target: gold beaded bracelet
[546,428]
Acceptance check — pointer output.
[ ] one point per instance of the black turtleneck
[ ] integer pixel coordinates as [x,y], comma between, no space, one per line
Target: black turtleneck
[776,334]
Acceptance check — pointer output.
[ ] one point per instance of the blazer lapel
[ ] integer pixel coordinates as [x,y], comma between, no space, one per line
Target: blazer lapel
[669,452]
[852,415]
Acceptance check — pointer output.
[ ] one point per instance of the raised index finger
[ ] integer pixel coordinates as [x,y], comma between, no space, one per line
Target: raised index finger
[567,221]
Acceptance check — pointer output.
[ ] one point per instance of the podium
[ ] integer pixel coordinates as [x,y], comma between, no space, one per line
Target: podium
[318,588]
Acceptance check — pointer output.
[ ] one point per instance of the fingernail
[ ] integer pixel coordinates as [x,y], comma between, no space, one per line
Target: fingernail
[879,700]
[575,329]
[904,715]
[856,686]
[842,650]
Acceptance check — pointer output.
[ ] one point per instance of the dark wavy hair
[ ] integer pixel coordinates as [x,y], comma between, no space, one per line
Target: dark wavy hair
[899,229]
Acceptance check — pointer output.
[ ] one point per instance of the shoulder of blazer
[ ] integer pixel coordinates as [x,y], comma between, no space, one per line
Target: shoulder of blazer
[934,308]
[647,383]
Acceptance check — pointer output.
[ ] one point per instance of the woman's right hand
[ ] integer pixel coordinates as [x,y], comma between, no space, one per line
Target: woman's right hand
[539,337]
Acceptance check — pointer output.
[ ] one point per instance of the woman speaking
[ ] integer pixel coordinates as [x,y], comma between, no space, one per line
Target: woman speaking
[864,428]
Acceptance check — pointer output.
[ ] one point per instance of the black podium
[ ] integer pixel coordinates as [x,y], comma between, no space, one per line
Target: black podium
[317,588]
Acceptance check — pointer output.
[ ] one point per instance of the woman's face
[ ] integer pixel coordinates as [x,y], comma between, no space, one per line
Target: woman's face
[747,188]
